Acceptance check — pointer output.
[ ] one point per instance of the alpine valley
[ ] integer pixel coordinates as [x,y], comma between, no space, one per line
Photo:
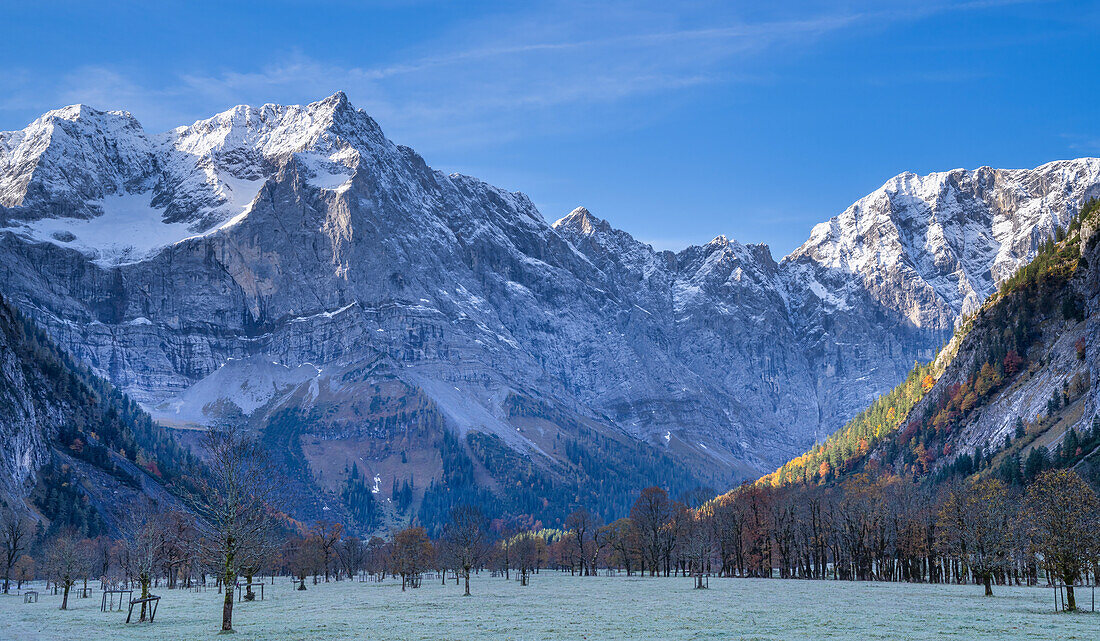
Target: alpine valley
[404,339]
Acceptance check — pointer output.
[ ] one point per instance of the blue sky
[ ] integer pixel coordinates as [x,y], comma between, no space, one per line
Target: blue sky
[676,121]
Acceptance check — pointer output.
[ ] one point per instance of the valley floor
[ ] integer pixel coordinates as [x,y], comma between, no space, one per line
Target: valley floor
[558,606]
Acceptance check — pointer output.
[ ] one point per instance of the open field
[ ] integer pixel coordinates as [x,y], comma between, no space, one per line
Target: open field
[558,606]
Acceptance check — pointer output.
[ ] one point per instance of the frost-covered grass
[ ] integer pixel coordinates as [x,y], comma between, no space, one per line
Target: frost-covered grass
[558,606]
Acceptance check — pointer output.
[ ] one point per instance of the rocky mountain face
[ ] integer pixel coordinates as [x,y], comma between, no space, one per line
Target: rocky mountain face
[292,267]
[74,451]
[26,410]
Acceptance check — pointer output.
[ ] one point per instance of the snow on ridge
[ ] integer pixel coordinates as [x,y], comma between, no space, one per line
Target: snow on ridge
[907,193]
[960,231]
[327,314]
[121,235]
[269,131]
[107,173]
[75,154]
[326,172]
[130,229]
[216,167]
[581,221]
[244,383]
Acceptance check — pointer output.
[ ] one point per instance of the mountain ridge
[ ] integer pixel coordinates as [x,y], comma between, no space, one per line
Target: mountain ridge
[352,256]
[1014,384]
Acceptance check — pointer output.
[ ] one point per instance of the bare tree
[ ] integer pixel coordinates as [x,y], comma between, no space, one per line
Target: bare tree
[88,562]
[582,524]
[601,541]
[466,540]
[730,523]
[673,532]
[236,504]
[352,554]
[328,537]
[63,561]
[103,553]
[698,545]
[651,513]
[15,534]
[252,558]
[144,533]
[181,542]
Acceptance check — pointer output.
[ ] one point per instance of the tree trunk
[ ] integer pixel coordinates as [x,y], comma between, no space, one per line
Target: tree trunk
[1071,603]
[227,580]
[65,595]
[988,584]
[466,573]
[144,593]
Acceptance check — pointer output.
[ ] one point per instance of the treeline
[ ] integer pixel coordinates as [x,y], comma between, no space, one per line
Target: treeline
[981,531]
[844,449]
[978,530]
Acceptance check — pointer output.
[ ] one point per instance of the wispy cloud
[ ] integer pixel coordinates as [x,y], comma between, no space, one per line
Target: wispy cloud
[1089,144]
[562,66]
[538,74]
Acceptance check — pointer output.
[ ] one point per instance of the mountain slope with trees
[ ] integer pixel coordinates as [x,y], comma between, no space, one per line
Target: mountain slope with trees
[1018,374]
[982,466]
[74,449]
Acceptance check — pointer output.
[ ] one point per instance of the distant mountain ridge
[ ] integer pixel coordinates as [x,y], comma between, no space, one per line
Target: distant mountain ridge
[288,259]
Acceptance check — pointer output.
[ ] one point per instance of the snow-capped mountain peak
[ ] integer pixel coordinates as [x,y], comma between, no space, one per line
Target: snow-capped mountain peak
[581,221]
[77,173]
[956,233]
[71,157]
[269,134]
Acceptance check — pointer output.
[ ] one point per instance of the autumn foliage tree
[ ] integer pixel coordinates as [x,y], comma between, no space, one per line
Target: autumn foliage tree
[975,524]
[412,552]
[1062,513]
